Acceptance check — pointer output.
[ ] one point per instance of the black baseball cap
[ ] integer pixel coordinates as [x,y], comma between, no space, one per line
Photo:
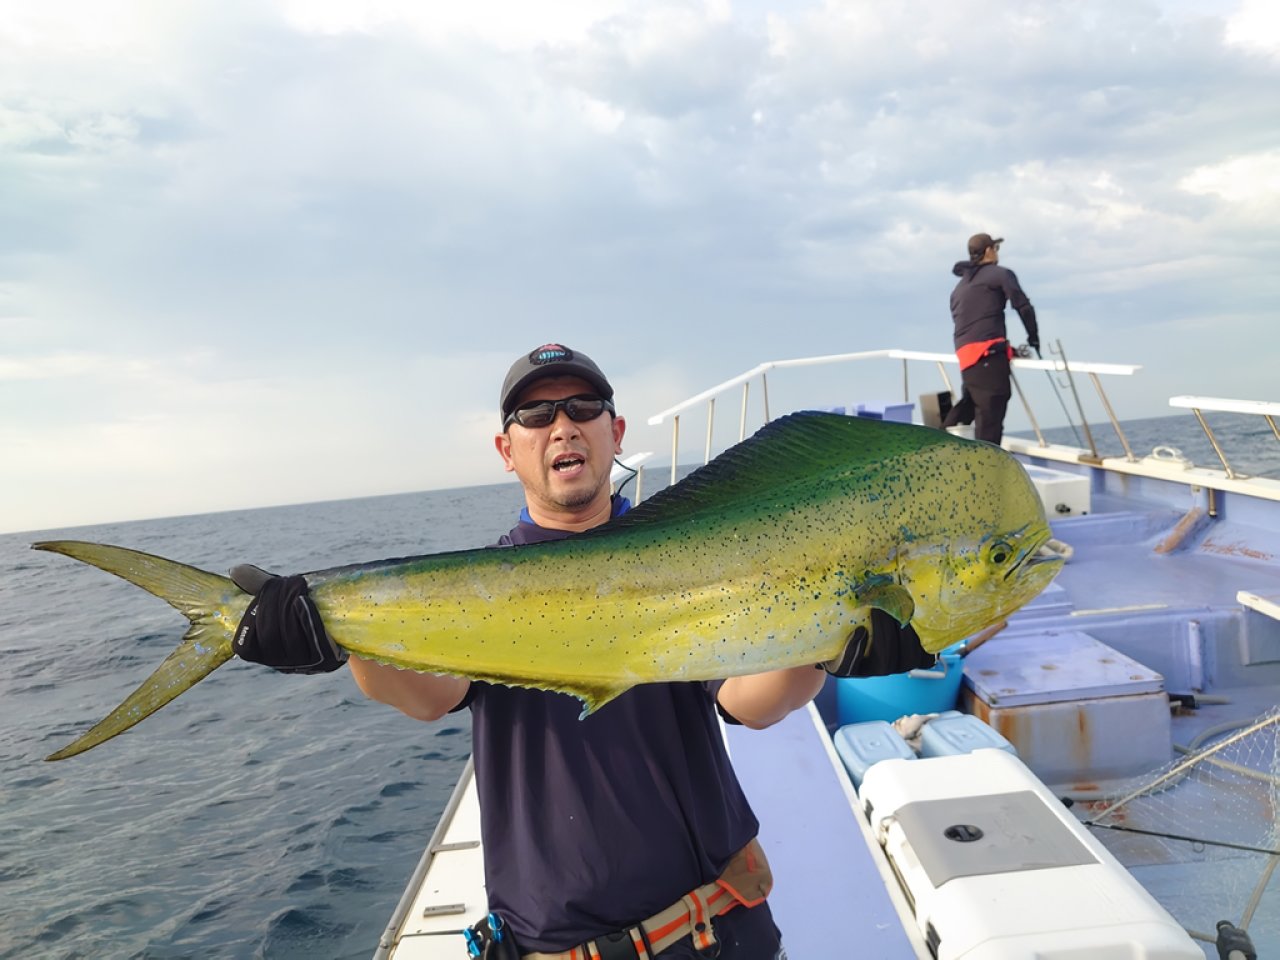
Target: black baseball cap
[979,242]
[550,360]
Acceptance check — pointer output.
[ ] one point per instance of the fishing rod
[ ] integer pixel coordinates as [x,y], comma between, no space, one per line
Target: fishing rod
[1174,836]
[1024,351]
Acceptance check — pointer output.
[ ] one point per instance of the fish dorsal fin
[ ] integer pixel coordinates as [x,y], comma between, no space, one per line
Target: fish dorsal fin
[801,448]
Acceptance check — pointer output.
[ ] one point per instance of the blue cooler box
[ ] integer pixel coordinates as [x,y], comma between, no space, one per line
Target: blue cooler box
[859,699]
[955,733]
[862,745]
[898,412]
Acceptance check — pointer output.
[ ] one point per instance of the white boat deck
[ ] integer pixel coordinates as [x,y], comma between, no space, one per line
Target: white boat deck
[447,892]
[831,897]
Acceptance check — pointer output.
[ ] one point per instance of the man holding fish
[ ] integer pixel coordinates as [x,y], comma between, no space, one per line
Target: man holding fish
[614,826]
[625,834]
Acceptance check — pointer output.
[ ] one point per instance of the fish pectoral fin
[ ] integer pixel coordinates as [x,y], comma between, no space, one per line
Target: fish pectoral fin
[892,598]
[590,704]
[593,698]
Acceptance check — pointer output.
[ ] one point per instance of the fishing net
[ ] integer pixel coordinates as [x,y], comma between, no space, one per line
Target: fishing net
[1201,833]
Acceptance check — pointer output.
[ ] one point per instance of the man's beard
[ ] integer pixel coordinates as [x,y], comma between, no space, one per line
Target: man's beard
[577,499]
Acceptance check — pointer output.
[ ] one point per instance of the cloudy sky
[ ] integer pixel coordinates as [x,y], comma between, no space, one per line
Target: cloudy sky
[271,251]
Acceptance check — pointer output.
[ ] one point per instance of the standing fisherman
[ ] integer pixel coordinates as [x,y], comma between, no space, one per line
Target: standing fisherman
[982,345]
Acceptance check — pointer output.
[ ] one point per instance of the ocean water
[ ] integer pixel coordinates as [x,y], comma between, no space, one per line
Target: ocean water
[259,815]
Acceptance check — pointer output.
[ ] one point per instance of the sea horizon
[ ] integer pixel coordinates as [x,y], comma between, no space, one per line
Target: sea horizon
[1184,429]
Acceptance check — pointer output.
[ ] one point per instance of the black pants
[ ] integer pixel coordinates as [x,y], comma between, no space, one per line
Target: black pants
[743,934]
[988,385]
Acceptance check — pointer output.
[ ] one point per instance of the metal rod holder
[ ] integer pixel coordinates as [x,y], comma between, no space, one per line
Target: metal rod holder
[675,445]
[1217,448]
[1111,415]
[1084,421]
[1027,407]
[711,420]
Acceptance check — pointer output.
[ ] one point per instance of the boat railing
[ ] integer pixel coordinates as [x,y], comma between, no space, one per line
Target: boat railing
[1268,410]
[942,361]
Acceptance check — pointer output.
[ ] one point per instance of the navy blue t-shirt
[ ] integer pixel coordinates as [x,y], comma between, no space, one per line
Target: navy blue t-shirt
[593,825]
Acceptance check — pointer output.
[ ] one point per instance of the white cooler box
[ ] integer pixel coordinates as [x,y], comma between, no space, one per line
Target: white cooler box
[1063,494]
[996,867]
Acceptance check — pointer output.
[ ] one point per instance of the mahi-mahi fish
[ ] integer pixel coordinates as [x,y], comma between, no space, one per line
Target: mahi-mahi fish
[767,557]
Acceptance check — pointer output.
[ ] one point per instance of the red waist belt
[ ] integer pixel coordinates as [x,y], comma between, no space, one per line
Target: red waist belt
[746,881]
[970,353]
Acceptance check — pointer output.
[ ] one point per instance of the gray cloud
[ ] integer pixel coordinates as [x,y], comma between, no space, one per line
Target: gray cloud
[305,204]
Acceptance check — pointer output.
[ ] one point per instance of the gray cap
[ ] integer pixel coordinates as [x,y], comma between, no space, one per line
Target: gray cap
[550,360]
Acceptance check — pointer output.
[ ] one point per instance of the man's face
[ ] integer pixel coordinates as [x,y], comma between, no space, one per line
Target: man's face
[564,467]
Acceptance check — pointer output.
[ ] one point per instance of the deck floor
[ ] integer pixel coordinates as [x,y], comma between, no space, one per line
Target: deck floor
[1143,612]
[827,888]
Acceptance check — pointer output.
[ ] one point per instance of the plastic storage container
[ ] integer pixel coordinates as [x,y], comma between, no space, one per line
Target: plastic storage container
[1063,494]
[898,412]
[997,868]
[887,698]
[860,745]
[955,733]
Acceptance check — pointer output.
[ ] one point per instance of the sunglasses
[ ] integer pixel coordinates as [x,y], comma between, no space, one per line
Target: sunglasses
[543,413]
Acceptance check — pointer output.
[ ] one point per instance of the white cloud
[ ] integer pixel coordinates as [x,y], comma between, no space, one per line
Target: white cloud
[1251,181]
[52,367]
[1255,26]
[506,25]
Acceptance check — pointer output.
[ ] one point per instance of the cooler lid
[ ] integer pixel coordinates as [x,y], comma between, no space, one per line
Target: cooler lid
[992,833]
[1052,667]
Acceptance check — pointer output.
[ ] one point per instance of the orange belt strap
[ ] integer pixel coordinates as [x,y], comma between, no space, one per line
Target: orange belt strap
[746,881]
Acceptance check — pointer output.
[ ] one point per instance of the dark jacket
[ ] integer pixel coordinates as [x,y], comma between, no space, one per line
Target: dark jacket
[977,303]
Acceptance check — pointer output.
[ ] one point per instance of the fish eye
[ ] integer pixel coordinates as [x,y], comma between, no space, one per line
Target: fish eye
[1000,552]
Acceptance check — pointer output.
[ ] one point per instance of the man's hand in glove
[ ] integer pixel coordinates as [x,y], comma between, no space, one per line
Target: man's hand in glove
[282,628]
[884,649]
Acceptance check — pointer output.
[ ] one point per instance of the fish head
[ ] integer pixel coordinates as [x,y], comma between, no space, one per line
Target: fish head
[969,586]
[985,558]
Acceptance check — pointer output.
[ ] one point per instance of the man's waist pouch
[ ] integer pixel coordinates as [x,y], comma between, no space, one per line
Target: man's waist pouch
[746,881]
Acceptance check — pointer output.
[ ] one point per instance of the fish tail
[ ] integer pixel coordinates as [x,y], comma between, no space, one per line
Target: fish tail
[211,602]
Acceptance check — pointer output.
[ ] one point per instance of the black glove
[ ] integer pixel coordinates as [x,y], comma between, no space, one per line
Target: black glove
[282,628]
[887,648]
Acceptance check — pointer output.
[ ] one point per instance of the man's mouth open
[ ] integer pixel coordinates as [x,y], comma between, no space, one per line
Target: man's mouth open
[567,464]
